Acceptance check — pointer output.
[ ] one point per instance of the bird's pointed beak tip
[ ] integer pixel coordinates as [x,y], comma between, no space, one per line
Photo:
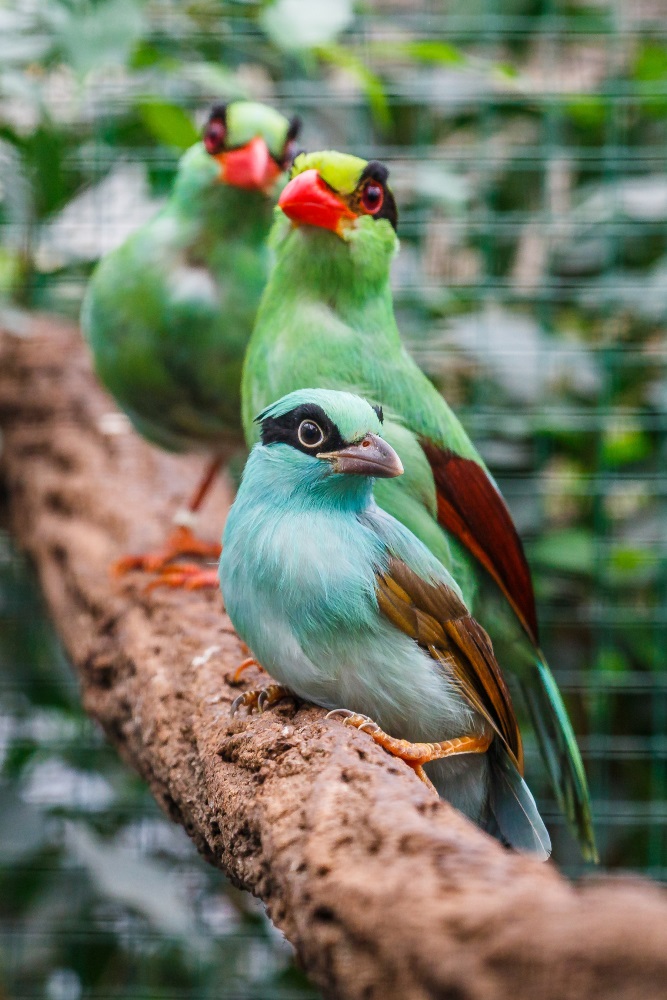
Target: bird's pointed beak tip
[370,457]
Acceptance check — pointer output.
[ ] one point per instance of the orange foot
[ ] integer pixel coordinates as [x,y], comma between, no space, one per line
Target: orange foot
[181,542]
[250,661]
[189,576]
[414,754]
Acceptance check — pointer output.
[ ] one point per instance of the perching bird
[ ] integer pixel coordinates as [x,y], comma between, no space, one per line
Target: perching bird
[169,313]
[347,608]
[327,319]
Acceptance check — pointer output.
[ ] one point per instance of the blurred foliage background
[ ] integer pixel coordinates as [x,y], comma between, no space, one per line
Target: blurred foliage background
[526,141]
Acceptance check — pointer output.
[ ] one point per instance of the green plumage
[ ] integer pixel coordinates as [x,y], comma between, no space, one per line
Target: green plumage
[169,313]
[326,319]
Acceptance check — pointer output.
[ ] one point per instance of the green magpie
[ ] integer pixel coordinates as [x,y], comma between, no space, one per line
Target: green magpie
[327,319]
[345,607]
[169,313]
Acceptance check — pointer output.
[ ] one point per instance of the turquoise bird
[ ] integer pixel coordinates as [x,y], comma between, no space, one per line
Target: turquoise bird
[347,608]
[327,319]
[169,313]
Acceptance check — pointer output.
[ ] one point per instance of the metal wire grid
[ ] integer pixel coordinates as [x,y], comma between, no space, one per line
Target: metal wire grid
[100,896]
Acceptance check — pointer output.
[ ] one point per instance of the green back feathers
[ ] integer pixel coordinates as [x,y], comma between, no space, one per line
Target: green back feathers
[352,415]
[339,170]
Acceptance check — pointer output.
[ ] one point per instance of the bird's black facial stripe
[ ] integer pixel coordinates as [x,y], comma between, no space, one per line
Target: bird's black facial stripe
[293,129]
[377,171]
[289,154]
[285,429]
[380,413]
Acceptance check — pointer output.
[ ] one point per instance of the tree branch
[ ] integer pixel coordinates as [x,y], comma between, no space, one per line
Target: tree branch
[384,891]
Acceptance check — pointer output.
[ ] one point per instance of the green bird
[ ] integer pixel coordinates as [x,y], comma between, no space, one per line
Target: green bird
[169,313]
[347,608]
[327,319]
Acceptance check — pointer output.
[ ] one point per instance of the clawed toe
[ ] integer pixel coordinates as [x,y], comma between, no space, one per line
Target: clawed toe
[414,754]
[248,700]
[186,576]
[361,722]
[181,542]
[260,699]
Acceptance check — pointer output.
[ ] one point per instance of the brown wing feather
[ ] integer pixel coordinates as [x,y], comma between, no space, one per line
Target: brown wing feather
[436,618]
[472,509]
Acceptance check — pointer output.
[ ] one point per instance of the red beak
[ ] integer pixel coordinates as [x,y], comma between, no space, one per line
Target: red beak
[251,167]
[307,200]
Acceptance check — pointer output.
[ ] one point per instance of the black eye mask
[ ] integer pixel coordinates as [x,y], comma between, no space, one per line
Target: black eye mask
[377,172]
[285,429]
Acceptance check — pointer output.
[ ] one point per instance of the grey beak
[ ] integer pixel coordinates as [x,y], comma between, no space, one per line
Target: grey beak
[371,457]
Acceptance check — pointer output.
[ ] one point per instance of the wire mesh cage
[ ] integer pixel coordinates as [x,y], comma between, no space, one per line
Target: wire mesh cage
[526,143]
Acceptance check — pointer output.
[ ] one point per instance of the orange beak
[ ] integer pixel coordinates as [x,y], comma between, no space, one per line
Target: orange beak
[251,167]
[308,200]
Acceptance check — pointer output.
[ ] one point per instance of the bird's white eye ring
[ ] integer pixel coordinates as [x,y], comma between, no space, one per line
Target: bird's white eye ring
[310,434]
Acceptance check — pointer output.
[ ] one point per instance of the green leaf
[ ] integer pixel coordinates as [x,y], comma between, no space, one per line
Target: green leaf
[588,111]
[294,25]
[370,83]
[568,551]
[625,441]
[92,36]
[168,123]
[651,63]
[433,52]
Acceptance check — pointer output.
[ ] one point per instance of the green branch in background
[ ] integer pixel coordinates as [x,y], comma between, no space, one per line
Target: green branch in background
[168,123]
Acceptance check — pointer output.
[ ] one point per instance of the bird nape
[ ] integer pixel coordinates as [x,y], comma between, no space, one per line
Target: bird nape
[326,318]
[168,314]
[346,607]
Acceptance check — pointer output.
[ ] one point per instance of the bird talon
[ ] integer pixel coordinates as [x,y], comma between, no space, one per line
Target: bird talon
[260,699]
[246,700]
[181,542]
[187,576]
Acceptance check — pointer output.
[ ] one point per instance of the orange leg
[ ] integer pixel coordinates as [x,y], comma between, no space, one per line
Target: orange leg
[414,754]
[260,698]
[182,541]
[250,661]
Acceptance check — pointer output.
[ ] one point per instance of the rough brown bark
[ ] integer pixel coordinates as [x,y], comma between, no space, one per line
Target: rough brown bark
[384,891]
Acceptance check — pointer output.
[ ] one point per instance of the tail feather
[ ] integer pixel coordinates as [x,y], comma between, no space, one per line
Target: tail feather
[561,753]
[515,819]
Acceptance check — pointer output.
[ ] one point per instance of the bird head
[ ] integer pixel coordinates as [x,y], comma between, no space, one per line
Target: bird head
[335,191]
[252,144]
[321,435]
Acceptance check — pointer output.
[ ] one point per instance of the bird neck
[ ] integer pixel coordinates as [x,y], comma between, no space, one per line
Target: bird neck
[206,204]
[287,481]
[350,276]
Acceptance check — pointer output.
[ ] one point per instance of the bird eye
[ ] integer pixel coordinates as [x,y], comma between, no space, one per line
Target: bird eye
[372,197]
[214,137]
[310,434]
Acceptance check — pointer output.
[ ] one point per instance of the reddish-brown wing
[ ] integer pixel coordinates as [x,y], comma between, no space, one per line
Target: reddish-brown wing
[435,617]
[472,509]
